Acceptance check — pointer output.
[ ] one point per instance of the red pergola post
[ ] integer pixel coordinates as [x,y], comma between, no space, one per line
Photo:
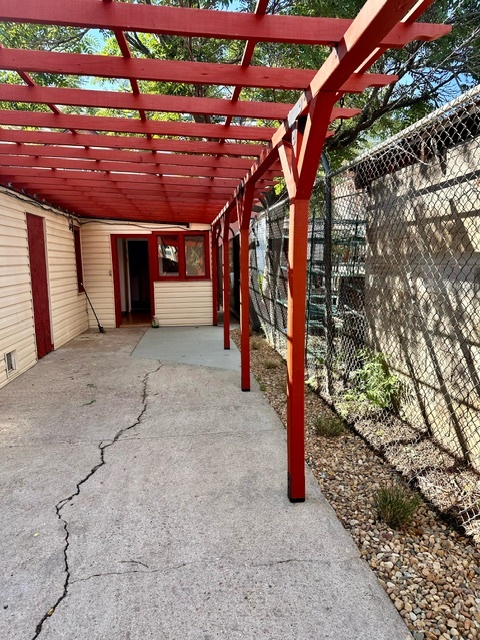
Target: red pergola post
[226,282]
[244,207]
[300,170]
[245,307]
[297,287]
[214,246]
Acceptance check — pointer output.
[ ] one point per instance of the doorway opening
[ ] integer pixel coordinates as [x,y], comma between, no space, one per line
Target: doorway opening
[133,292]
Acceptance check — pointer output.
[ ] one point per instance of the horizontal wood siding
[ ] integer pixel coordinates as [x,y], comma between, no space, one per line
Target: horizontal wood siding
[184,303]
[16,310]
[68,307]
[68,315]
[98,267]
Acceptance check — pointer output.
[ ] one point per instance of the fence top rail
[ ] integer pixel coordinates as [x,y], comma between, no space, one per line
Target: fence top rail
[471,96]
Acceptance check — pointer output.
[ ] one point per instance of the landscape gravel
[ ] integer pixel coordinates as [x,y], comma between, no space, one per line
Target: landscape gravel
[429,569]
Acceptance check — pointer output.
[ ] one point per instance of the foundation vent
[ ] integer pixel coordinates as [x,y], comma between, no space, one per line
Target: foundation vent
[11,361]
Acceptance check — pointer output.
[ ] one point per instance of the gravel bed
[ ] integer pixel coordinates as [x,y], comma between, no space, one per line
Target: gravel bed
[430,570]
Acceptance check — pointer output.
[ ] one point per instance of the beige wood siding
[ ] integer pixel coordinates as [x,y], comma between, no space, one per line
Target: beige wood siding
[184,303]
[68,314]
[98,277]
[68,307]
[16,311]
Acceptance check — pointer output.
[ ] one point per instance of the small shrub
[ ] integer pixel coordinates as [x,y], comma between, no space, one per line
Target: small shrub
[374,387]
[270,364]
[375,381]
[395,505]
[329,426]
[255,344]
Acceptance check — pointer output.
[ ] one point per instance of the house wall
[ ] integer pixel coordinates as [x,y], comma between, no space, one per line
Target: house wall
[184,303]
[67,306]
[176,303]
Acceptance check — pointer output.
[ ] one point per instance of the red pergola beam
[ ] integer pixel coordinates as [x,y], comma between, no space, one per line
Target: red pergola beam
[128,142]
[178,21]
[112,187]
[173,71]
[124,177]
[147,102]
[157,70]
[135,189]
[158,127]
[157,167]
[125,125]
[36,150]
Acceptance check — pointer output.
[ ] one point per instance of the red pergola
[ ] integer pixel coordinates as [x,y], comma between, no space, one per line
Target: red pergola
[142,169]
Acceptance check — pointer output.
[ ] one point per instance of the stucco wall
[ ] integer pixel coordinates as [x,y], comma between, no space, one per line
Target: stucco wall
[422,292]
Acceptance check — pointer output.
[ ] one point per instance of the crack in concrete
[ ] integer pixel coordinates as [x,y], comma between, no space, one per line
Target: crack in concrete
[126,573]
[103,446]
[185,564]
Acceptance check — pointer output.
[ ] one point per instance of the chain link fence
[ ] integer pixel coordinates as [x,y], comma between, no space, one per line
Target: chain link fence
[393,308]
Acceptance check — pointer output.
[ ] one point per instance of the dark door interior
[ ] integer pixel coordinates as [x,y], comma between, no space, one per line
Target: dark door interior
[139,274]
[38,274]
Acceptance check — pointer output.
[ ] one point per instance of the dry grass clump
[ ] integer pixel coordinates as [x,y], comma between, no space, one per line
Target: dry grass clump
[395,504]
[328,426]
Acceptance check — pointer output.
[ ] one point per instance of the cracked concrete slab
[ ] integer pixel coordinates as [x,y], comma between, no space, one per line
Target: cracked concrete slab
[162,513]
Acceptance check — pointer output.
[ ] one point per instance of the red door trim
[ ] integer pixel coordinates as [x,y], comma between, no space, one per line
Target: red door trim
[116,272]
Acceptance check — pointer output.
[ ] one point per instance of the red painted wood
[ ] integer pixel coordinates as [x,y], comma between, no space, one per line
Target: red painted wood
[129,142]
[245,308]
[297,259]
[149,102]
[156,70]
[125,125]
[116,281]
[153,262]
[122,167]
[78,258]
[172,159]
[226,282]
[121,178]
[214,258]
[192,22]
[38,274]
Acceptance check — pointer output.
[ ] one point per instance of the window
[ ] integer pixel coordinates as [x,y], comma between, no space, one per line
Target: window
[195,264]
[168,256]
[183,256]
[78,258]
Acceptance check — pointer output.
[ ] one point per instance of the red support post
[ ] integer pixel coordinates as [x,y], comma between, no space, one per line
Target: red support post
[245,306]
[297,288]
[214,276]
[226,282]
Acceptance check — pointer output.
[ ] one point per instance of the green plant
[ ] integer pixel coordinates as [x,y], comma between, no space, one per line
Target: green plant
[374,387]
[328,425]
[395,504]
[260,278]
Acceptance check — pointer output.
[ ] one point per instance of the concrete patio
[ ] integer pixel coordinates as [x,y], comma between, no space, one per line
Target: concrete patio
[143,495]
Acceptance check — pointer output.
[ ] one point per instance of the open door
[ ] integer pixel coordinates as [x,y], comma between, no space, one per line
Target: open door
[38,274]
[132,281]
